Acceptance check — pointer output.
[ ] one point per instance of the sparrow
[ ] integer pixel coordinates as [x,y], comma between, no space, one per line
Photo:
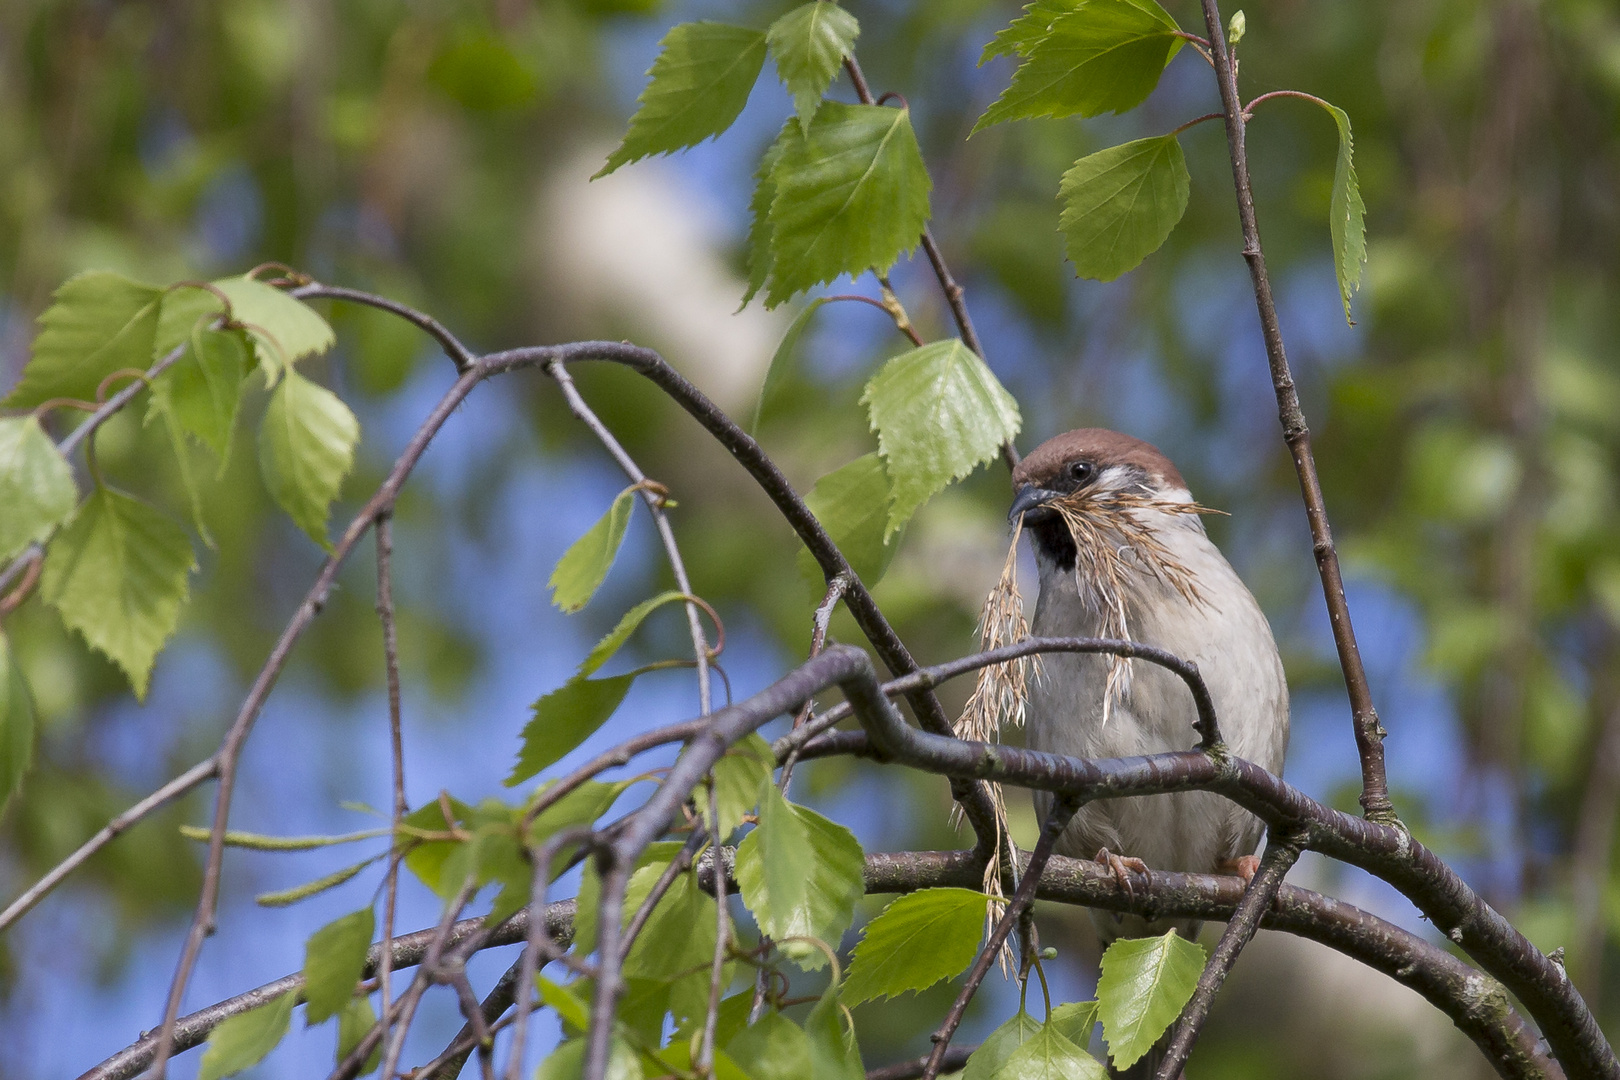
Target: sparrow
[1122,553]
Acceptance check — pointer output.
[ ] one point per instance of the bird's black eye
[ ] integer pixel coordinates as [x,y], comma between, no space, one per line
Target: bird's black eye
[1082,472]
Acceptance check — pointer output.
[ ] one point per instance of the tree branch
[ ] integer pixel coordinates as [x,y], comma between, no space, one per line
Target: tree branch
[1369,732]
[1388,852]
[1258,895]
[1057,819]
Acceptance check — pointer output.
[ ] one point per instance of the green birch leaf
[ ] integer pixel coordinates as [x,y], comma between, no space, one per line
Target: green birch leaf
[36,485]
[698,85]
[1144,984]
[1023,32]
[244,1039]
[773,867]
[760,232]
[1104,56]
[334,961]
[772,1048]
[1120,204]
[677,940]
[306,448]
[570,1007]
[614,639]
[939,413]
[183,465]
[808,44]
[834,1054]
[581,806]
[184,309]
[98,323]
[117,574]
[1047,1055]
[776,376]
[850,195]
[356,1019]
[567,1062]
[565,718]
[1075,1021]
[584,566]
[800,875]
[918,940]
[283,328]
[852,504]
[18,731]
[1347,215]
[288,897]
[590,893]
[737,780]
[203,389]
[992,1054]
[427,858]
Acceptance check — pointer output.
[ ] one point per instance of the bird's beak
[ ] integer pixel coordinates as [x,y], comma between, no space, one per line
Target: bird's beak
[1031,503]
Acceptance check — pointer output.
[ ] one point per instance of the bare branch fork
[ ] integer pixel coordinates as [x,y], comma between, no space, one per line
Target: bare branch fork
[1375,802]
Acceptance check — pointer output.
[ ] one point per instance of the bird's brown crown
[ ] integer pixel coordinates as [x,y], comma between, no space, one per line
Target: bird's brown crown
[1045,464]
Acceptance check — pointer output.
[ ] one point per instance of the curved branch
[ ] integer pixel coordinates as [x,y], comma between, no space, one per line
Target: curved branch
[1388,852]
[1474,1002]
[459,354]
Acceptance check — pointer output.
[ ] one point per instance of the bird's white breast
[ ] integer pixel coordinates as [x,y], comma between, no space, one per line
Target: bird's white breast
[1227,636]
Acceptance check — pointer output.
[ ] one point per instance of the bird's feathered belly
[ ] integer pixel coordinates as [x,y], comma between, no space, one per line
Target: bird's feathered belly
[1152,711]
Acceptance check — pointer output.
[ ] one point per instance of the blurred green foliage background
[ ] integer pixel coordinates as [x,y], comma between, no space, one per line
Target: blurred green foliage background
[437,151]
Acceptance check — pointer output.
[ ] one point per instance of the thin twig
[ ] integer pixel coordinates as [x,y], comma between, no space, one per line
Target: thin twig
[1281,854]
[230,750]
[901,323]
[655,504]
[704,1063]
[425,974]
[396,741]
[955,1058]
[448,1065]
[819,623]
[461,356]
[538,950]
[1057,819]
[174,789]
[1375,802]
